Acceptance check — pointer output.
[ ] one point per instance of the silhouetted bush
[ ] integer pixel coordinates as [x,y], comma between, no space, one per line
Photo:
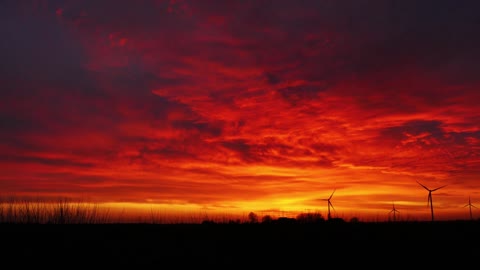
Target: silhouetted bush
[310,218]
[285,220]
[267,219]
[236,221]
[354,220]
[336,220]
[208,222]
[252,217]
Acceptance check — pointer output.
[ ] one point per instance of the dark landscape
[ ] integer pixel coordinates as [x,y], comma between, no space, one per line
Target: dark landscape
[352,244]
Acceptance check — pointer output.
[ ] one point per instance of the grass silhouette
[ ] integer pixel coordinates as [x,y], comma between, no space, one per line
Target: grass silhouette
[61,211]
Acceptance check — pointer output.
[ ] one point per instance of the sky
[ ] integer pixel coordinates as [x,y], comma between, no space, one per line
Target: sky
[218,107]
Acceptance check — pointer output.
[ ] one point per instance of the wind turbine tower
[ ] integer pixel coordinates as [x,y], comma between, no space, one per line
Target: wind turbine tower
[430,201]
[470,205]
[329,204]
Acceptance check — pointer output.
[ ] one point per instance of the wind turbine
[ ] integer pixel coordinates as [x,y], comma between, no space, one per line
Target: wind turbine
[329,204]
[430,202]
[394,211]
[470,205]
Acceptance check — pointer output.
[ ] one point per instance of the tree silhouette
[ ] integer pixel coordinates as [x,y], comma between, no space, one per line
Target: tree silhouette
[267,219]
[252,217]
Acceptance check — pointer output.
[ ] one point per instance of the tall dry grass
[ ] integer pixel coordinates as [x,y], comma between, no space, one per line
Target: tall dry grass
[63,211]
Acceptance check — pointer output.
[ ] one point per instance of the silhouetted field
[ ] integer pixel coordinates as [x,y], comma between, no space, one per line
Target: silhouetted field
[381,245]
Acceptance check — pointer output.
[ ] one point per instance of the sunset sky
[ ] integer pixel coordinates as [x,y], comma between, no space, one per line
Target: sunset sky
[221,107]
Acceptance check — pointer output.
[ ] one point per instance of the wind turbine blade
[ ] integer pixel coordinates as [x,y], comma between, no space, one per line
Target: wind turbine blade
[439,188]
[331,205]
[332,194]
[422,185]
[473,206]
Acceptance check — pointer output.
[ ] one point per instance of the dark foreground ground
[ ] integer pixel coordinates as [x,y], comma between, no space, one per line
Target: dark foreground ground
[346,245]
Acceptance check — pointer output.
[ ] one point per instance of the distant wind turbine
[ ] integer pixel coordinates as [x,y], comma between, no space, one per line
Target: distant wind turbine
[394,211]
[430,201]
[470,205]
[329,204]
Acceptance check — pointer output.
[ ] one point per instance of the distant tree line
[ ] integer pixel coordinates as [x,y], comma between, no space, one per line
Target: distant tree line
[302,218]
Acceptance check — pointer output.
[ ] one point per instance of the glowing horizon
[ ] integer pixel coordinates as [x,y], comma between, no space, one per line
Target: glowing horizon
[243,106]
